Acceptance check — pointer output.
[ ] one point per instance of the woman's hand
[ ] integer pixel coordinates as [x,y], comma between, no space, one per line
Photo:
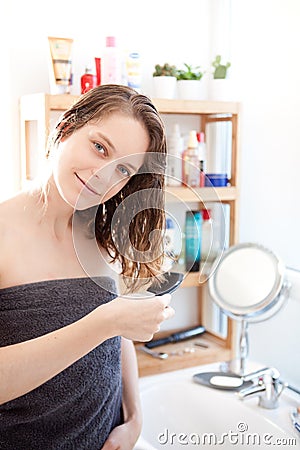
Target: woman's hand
[123,437]
[138,319]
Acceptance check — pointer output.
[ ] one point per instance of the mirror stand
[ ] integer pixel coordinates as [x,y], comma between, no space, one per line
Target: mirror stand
[237,365]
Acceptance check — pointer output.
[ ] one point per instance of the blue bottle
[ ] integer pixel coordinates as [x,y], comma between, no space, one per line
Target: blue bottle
[193,225]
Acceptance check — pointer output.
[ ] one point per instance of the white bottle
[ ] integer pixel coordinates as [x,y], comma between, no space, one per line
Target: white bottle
[174,159]
[169,245]
[134,71]
[111,63]
[191,171]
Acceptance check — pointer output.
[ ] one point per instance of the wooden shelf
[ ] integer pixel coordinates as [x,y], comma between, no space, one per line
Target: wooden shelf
[192,279]
[205,194]
[171,106]
[61,102]
[181,356]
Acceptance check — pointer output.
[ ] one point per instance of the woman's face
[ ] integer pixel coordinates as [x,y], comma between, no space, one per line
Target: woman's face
[95,162]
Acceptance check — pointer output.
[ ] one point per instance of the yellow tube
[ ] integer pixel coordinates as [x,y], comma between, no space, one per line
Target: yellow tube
[61,61]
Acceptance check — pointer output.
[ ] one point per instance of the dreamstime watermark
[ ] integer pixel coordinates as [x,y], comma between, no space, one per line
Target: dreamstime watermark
[240,437]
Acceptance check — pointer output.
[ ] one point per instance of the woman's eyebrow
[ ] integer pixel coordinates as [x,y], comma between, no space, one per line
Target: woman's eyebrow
[106,139]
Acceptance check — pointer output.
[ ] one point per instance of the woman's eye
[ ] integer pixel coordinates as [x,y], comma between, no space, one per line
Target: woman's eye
[99,148]
[124,171]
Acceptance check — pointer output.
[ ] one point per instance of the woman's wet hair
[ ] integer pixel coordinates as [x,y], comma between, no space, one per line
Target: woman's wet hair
[144,236]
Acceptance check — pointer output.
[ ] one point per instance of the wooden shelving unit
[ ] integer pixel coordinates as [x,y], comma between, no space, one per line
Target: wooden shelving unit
[38,107]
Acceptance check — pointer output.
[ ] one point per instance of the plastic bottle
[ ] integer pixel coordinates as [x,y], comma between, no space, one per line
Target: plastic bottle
[169,245]
[202,157]
[134,71]
[190,162]
[111,63]
[193,225]
[174,161]
[88,81]
[207,236]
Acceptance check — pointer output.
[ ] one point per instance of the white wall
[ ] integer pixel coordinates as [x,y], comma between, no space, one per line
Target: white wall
[263,45]
[266,40]
[275,343]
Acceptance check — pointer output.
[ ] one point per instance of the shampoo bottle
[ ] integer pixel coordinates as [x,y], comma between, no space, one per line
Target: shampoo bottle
[134,71]
[88,81]
[190,162]
[193,224]
[174,158]
[111,63]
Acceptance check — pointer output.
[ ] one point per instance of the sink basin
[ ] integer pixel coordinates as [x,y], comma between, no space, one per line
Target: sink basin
[179,413]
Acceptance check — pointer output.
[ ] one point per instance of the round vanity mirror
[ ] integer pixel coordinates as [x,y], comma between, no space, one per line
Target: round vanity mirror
[248,284]
[246,281]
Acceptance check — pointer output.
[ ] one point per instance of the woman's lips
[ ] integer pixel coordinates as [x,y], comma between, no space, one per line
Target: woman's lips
[89,188]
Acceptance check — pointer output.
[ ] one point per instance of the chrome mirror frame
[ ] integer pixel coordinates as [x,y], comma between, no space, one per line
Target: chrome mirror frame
[262,309]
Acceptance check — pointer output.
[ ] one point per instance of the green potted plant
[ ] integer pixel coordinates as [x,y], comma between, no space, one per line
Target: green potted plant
[219,85]
[220,70]
[190,86]
[164,80]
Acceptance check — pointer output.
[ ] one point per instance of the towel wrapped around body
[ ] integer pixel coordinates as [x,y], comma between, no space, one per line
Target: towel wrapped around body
[78,408]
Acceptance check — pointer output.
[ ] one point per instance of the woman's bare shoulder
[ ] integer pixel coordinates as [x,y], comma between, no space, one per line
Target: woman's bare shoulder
[11,211]
[11,208]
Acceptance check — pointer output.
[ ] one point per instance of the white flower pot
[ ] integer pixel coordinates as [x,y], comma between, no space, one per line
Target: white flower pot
[191,89]
[220,89]
[164,87]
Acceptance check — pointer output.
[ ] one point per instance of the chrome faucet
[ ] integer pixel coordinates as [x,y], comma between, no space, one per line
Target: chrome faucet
[266,386]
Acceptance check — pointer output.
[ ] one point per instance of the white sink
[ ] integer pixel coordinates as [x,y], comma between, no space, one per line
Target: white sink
[179,413]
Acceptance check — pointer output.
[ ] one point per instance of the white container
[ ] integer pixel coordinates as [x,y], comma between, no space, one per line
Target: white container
[220,89]
[134,71]
[190,89]
[111,63]
[191,170]
[164,87]
[175,148]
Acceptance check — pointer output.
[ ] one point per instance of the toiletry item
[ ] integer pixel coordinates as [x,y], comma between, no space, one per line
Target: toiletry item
[159,355]
[206,236]
[190,162]
[169,245]
[202,157]
[174,157]
[60,73]
[134,71]
[221,380]
[111,63]
[169,237]
[98,70]
[177,337]
[216,179]
[88,81]
[218,145]
[193,224]
[295,416]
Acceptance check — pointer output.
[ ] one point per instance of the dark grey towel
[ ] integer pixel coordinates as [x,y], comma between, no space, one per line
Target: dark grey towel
[79,407]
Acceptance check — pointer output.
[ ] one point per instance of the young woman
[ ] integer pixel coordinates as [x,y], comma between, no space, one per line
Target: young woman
[68,372]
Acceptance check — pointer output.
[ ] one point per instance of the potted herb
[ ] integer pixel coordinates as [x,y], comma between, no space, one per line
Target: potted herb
[190,86]
[164,80]
[220,86]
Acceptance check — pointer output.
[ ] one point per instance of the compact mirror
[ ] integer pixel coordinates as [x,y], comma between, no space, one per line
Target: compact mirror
[248,284]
